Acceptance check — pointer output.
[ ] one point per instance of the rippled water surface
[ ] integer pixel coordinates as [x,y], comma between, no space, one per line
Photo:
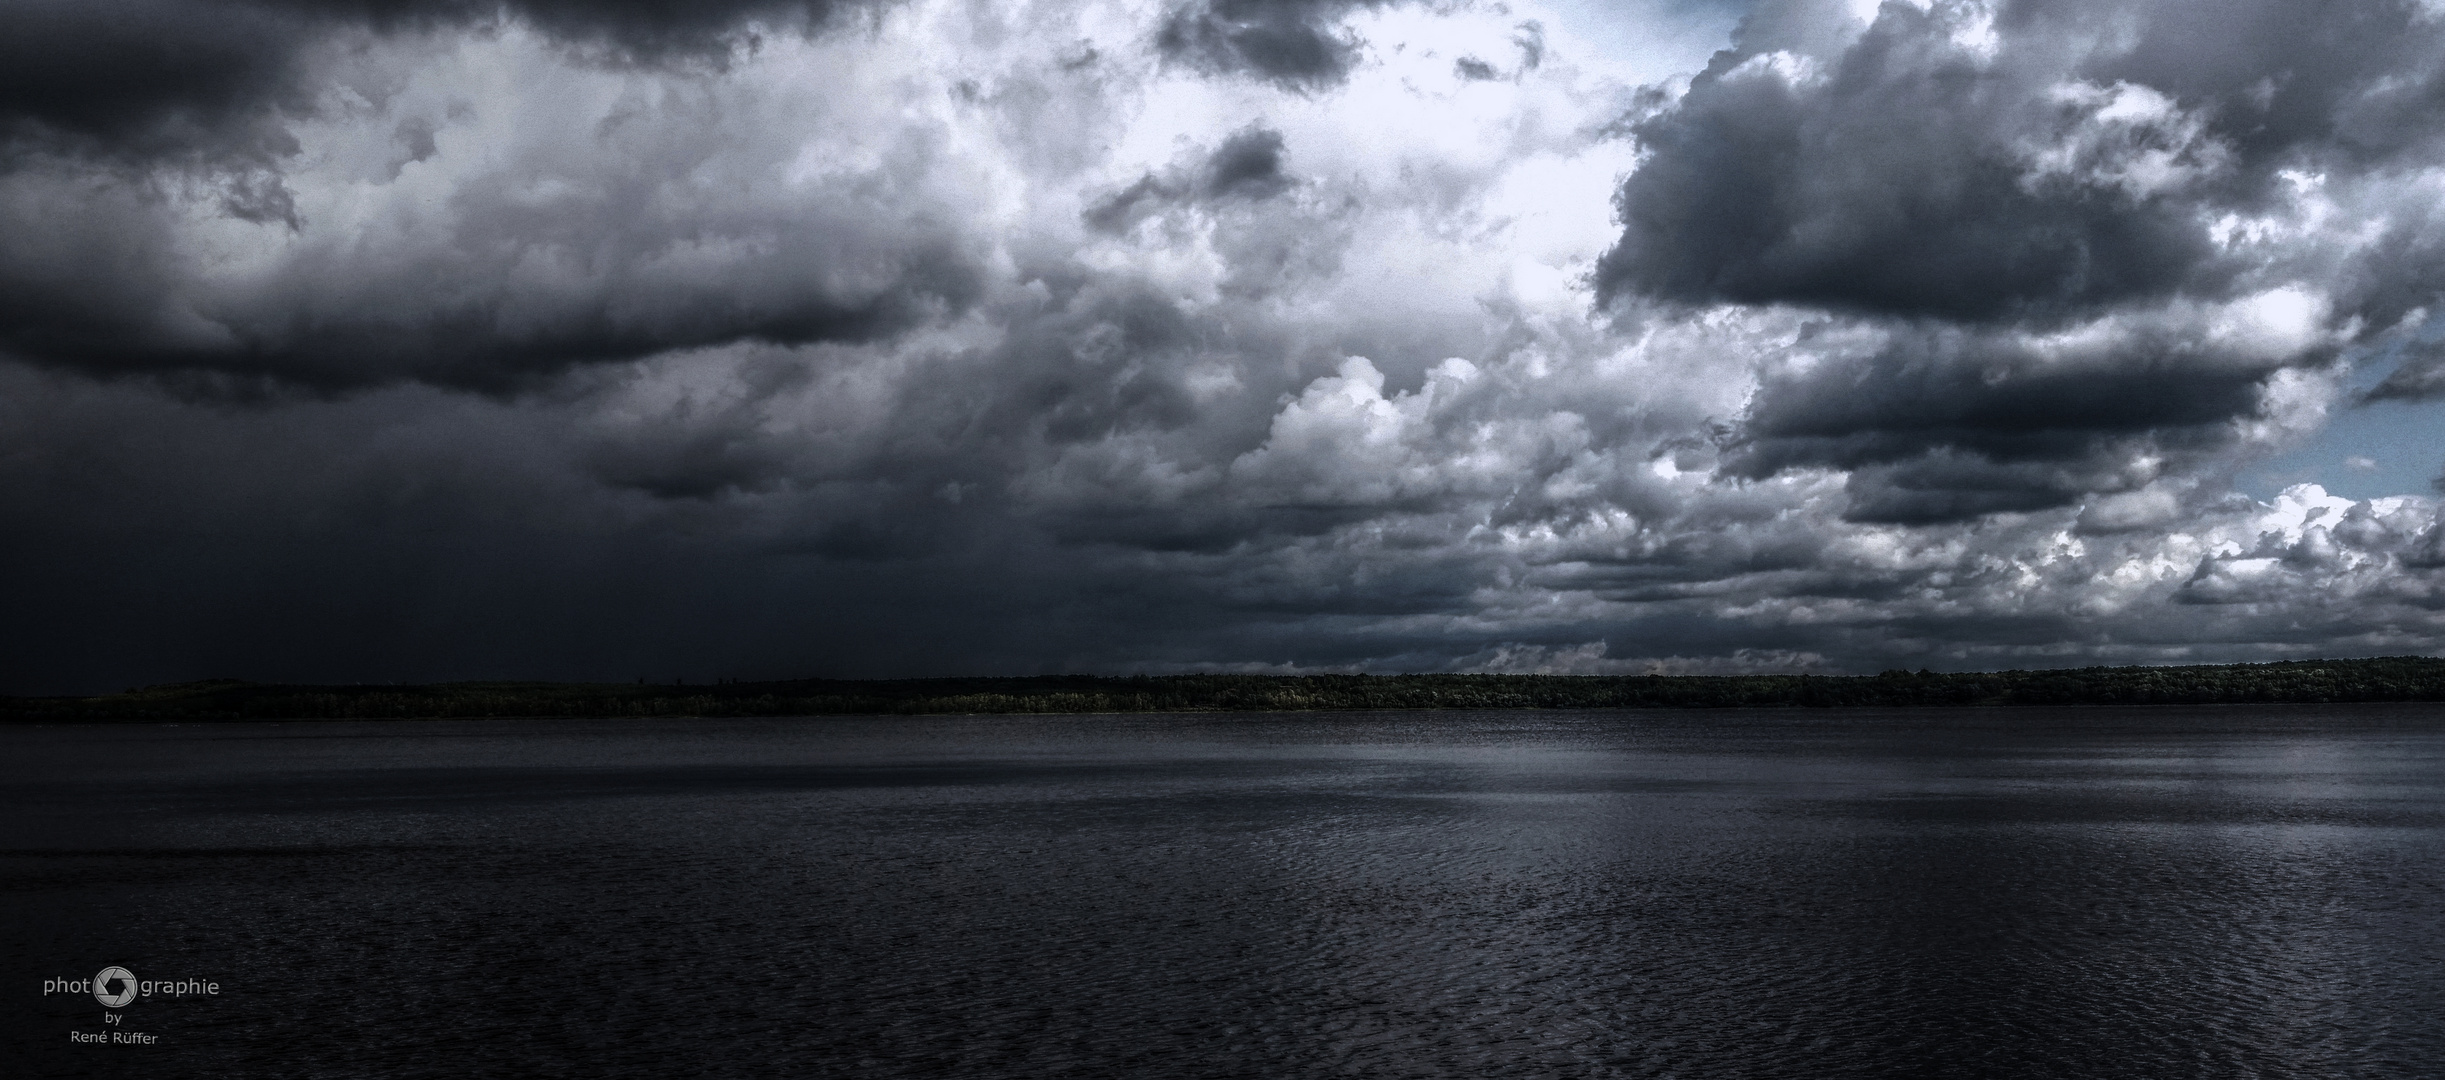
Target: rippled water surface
[2023,893]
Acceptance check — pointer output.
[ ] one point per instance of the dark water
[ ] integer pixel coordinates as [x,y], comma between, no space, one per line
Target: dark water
[2166,893]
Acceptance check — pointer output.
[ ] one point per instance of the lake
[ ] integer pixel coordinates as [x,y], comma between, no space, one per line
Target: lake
[2087,893]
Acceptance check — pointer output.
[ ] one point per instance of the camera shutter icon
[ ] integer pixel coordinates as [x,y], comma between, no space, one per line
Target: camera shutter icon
[114,987]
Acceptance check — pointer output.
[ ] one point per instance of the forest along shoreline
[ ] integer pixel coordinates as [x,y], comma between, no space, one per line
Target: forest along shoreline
[2384,679]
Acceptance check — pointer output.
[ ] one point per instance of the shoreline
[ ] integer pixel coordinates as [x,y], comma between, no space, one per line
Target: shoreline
[2358,681]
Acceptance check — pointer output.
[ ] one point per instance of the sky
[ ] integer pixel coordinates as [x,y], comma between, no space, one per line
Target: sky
[415,340]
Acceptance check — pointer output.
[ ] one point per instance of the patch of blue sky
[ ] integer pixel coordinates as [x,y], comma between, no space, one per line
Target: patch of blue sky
[2365,450]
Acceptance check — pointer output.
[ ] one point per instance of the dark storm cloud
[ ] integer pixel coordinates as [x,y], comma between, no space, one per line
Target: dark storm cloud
[1248,165]
[1096,364]
[1972,178]
[1946,425]
[2076,160]
[1009,338]
[112,112]
[590,252]
[1885,184]
[148,79]
[1106,365]
[651,31]
[336,325]
[2351,84]
[1297,43]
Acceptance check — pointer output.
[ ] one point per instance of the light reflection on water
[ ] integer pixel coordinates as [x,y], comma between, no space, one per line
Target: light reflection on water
[2089,893]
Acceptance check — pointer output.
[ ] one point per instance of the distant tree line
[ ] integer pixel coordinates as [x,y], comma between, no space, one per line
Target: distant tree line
[2401,678]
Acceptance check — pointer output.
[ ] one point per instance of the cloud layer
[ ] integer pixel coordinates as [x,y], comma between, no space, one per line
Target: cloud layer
[438,339]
